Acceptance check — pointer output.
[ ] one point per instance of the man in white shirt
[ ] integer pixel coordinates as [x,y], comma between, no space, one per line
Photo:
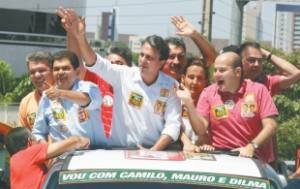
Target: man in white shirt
[147,111]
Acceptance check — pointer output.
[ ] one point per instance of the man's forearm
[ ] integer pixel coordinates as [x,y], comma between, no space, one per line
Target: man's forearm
[269,129]
[208,51]
[86,50]
[162,143]
[77,97]
[198,122]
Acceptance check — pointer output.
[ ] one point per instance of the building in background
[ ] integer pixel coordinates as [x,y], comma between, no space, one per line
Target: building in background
[29,26]
[252,22]
[287,27]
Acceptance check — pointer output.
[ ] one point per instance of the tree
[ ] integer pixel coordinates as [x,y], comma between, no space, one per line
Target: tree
[7,79]
[288,104]
[12,89]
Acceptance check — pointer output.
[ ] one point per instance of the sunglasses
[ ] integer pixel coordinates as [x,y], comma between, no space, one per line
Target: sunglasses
[253,60]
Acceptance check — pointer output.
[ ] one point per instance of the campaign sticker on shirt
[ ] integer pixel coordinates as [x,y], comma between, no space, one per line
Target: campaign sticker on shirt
[164,92]
[229,104]
[135,99]
[59,113]
[83,115]
[249,98]
[31,118]
[248,109]
[159,107]
[108,101]
[185,112]
[220,111]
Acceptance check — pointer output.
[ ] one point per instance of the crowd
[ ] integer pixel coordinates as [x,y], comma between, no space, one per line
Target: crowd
[167,102]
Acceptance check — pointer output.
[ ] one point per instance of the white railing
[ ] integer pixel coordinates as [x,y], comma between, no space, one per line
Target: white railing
[9,113]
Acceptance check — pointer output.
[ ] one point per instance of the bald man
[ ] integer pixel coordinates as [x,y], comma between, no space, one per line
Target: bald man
[239,114]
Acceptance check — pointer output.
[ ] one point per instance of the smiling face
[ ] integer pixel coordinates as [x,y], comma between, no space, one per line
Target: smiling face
[40,73]
[64,73]
[226,76]
[175,61]
[149,63]
[195,80]
[252,63]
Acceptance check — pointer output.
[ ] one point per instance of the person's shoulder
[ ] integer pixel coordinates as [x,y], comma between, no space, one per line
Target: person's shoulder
[211,88]
[28,97]
[166,78]
[255,86]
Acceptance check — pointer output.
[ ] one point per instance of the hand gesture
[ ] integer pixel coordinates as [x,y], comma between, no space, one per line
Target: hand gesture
[206,147]
[52,93]
[190,147]
[184,27]
[184,94]
[71,22]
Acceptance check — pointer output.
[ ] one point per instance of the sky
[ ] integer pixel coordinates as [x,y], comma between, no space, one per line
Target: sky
[147,17]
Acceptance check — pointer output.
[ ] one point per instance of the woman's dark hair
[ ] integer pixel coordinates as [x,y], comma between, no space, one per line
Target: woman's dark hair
[191,61]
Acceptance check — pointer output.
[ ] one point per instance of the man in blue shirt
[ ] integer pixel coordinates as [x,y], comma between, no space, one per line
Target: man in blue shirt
[71,107]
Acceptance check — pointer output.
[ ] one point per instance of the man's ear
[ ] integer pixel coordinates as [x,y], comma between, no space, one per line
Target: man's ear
[238,71]
[77,71]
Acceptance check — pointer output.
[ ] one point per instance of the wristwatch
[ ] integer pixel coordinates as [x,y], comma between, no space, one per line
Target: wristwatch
[255,146]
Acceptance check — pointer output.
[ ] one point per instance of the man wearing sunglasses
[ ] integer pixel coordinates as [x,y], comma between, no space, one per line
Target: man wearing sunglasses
[252,58]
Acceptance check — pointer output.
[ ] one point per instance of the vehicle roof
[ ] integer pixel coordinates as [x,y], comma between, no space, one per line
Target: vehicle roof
[172,167]
[163,160]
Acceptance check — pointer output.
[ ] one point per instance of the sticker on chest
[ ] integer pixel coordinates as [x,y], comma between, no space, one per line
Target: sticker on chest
[135,99]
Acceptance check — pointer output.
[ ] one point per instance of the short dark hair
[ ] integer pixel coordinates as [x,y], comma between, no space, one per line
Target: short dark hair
[159,44]
[195,61]
[71,56]
[178,42]
[125,53]
[38,56]
[231,48]
[17,139]
[248,44]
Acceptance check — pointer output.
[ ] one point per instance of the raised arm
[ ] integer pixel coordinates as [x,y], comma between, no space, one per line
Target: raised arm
[69,16]
[186,29]
[291,73]
[77,29]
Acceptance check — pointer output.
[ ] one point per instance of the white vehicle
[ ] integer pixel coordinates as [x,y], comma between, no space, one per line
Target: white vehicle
[159,169]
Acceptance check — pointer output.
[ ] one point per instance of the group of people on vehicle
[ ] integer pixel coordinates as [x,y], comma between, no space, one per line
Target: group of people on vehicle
[82,98]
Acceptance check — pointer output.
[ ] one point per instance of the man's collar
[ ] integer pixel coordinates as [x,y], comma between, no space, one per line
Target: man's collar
[240,91]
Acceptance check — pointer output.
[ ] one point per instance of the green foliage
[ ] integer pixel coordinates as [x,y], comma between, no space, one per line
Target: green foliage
[22,89]
[12,89]
[288,104]
[135,58]
[7,80]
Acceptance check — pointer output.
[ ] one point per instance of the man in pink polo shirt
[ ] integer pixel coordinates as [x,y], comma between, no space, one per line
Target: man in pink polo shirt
[252,55]
[239,114]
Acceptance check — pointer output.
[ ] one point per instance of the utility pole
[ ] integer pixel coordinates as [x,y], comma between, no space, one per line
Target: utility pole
[207,18]
[237,21]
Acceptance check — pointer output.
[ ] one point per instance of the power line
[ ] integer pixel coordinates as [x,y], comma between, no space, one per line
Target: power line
[122,5]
